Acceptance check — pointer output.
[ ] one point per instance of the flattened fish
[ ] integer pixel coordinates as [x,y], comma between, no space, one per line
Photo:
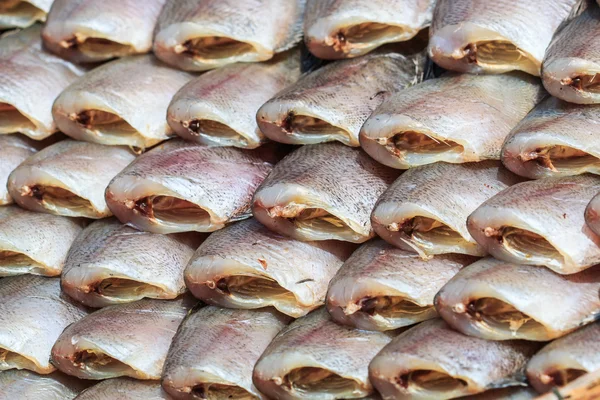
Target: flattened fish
[454,118]
[483,36]
[33,313]
[321,192]
[509,393]
[382,288]
[219,107]
[98,30]
[30,80]
[566,359]
[14,149]
[335,29]
[125,389]
[34,243]
[28,385]
[333,102]
[431,361]
[214,352]
[68,178]
[110,263]
[120,103]
[592,215]
[197,35]
[180,187]
[426,208]
[314,358]
[247,266]
[123,340]
[23,13]
[585,387]
[496,300]
[540,223]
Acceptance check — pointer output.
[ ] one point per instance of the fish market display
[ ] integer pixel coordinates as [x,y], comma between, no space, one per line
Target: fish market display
[219,107]
[122,340]
[34,243]
[30,80]
[28,385]
[333,102]
[247,266]
[33,313]
[110,263]
[336,29]
[495,36]
[23,13]
[320,192]
[431,361]
[98,30]
[540,223]
[125,389]
[214,352]
[14,149]
[68,178]
[198,35]
[314,358]
[426,208]
[180,186]
[496,300]
[432,122]
[120,103]
[382,288]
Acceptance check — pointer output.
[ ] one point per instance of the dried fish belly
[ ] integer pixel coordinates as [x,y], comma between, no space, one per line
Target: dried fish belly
[14,149]
[125,389]
[28,385]
[23,13]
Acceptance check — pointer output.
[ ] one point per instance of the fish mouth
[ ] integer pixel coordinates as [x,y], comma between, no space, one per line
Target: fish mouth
[585,83]
[499,316]
[421,146]
[307,381]
[561,159]
[60,200]
[215,131]
[216,391]
[107,124]
[431,382]
[122,289]
[96,48]
[498,55]
[209,48]
[171,209]
[252,288]
[10,360]
[561,376]
[15,263]
[311,129]
[98,361]
[389,307]
[12,120]
[428,234]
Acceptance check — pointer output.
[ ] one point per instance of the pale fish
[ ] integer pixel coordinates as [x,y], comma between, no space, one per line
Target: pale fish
[23,13]
[28,385]
[14,149]
[125,389]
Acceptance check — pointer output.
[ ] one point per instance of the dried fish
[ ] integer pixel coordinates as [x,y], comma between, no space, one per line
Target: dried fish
[509,393]
[14,149]
[28,385]
[125,389]
[23,13]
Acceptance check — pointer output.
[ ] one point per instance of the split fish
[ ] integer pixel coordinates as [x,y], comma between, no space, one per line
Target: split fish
[14,149]
[28,385]
[125,389]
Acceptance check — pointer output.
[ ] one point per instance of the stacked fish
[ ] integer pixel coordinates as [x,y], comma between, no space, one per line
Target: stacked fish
[203,218]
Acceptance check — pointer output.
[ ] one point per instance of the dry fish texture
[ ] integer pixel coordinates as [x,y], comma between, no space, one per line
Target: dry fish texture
[23,13]
[14,149]
[125,389]
[509,393]
[28,385]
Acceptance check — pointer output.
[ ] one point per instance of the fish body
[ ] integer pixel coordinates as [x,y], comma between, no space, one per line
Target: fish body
[592,215]
[28,385]
[125,389]
[14,149]
[23,13]
[509,393]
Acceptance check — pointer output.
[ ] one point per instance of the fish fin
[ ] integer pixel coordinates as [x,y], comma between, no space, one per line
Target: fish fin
[296,31]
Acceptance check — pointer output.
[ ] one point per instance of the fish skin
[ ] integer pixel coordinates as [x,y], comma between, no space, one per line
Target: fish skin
[125,389]
[137,335]
[458,25]
[136,89]
[379,269]
[315,341]
[317,176]
[33,313]
[219,346]
[266,27]
[24,14]
[125,23]
[25,68]
[579,350]
[326,24]
[28,385]
[530,290]
[78,167]
[342,94]
[592,215]
[43,238]
[231,96]
[509,393]
[552,208]
[248,249]
[445,192]
[437,109]
[14,149]
[434,346]
[107,249]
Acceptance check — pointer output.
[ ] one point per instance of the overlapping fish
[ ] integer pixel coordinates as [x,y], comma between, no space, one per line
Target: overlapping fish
[509,393]
[14,149]
[23,13]
[125,389]
[28,385]
[592,214]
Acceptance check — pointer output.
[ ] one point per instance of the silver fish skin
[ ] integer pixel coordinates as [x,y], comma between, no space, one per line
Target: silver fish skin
[14,149]
[200,35]
[68,178]
[315,358]
[23,13]
[555,139]
[432,361]
[495,300]
[30,80]
[110,263]
[332,103]
[181,187]
[91,31]
[592,215]
[335,29]
[426,208]
[219,107]
[122,340]
[455,118]
[125,389]
[245,265]
[214,352]
[33,313]
[34,243]
[122,102]
[479,36]
[28,385]
[540,223]
[322,192]
[509,393]
[381,288]
[566,359]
